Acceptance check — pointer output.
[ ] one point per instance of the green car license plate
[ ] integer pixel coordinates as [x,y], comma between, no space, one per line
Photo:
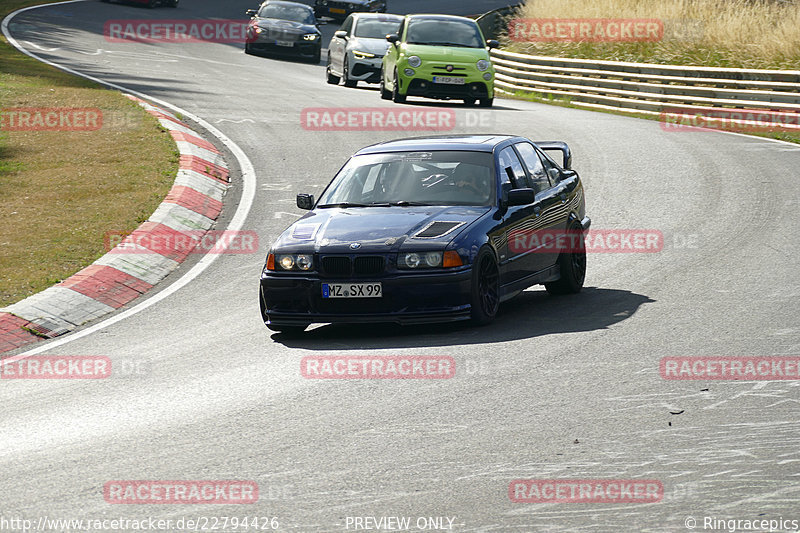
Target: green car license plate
[450,80]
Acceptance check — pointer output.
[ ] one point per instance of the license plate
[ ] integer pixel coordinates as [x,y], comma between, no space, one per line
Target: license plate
[337,10]
[284,43]
[352,290]
[451,80]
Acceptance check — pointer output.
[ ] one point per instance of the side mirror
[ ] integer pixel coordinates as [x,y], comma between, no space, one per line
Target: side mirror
[251,12]
[521,196]
[305,201]
[393,38]
[555,175]
[491,43]
[341,34]
[558,146]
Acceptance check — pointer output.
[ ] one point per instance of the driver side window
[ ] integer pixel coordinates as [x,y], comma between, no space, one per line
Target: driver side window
[347,25]
[539,179]
[511,169]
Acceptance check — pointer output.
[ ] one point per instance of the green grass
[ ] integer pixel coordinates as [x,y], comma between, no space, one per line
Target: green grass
[61,191]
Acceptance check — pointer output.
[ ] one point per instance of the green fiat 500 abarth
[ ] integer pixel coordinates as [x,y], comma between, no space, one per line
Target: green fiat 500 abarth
[438,56]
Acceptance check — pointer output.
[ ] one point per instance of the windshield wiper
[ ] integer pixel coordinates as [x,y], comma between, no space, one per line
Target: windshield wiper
[445,43]
[407,203]
[352,204]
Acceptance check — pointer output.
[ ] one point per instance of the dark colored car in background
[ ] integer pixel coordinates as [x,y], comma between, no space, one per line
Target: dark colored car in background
[339,9]
[285,29]
[419,230]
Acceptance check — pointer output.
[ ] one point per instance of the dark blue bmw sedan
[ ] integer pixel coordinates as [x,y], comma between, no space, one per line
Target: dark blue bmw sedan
[429,229]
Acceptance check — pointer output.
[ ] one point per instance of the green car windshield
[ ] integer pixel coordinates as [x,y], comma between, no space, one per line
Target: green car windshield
[437,32]
[413,178]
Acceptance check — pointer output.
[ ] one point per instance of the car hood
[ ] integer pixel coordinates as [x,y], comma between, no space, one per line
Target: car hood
[376,229]
[286,25]
[372,46]
[446,53]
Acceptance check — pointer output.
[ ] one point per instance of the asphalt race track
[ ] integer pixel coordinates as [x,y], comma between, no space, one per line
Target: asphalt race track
[564,387]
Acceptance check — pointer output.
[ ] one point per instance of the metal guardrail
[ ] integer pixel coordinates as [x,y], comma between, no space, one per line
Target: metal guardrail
[647,88]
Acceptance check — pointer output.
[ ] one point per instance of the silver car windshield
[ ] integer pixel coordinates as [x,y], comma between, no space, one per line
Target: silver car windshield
[413,178]
[374,28]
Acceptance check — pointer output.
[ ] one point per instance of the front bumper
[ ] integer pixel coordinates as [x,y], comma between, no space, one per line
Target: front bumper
[299,48]
[364,69]
[421,84]
[407,299]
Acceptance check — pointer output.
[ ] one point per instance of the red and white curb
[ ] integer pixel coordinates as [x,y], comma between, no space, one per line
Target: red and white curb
[117,278]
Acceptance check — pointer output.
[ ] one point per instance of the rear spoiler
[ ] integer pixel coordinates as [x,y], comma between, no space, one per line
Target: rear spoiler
[559,146]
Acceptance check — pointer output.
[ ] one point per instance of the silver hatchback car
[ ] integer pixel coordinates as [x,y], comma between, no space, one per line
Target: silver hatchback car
[357,48]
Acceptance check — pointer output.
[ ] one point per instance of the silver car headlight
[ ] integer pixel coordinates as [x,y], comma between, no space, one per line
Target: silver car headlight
[358,54]
[414,61]
[482,65]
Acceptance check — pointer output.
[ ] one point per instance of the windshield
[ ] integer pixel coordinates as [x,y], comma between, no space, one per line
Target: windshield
[439,32]
[283,12]
[374,28]
[413,178]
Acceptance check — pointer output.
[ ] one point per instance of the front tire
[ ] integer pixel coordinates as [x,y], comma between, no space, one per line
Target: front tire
[329,77]
[396,96]
[346,75]
[385,94]
[572,266]
[485,297]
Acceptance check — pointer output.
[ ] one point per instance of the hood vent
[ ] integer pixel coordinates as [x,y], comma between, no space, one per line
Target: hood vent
[305,232]
[437,229]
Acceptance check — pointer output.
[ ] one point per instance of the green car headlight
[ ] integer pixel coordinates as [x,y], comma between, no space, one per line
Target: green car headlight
[409,72]
[482,65]
[414,61]
[487,76]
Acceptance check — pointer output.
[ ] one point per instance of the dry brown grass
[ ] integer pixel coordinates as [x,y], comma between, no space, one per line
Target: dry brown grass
[60,192]
[726,33]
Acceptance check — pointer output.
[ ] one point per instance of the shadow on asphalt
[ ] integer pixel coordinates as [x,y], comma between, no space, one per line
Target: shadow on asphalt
[531,314]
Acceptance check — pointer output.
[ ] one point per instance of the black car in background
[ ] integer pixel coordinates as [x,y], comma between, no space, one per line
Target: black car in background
[339,9]
[285,29]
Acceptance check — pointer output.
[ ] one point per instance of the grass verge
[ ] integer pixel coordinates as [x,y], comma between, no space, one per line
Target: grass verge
[62,191]
[758,34]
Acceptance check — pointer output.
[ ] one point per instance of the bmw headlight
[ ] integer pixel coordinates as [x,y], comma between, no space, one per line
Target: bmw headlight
[414,61]
[409,72]
[423,260]
[482,65]
[289,262]
[310,36]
